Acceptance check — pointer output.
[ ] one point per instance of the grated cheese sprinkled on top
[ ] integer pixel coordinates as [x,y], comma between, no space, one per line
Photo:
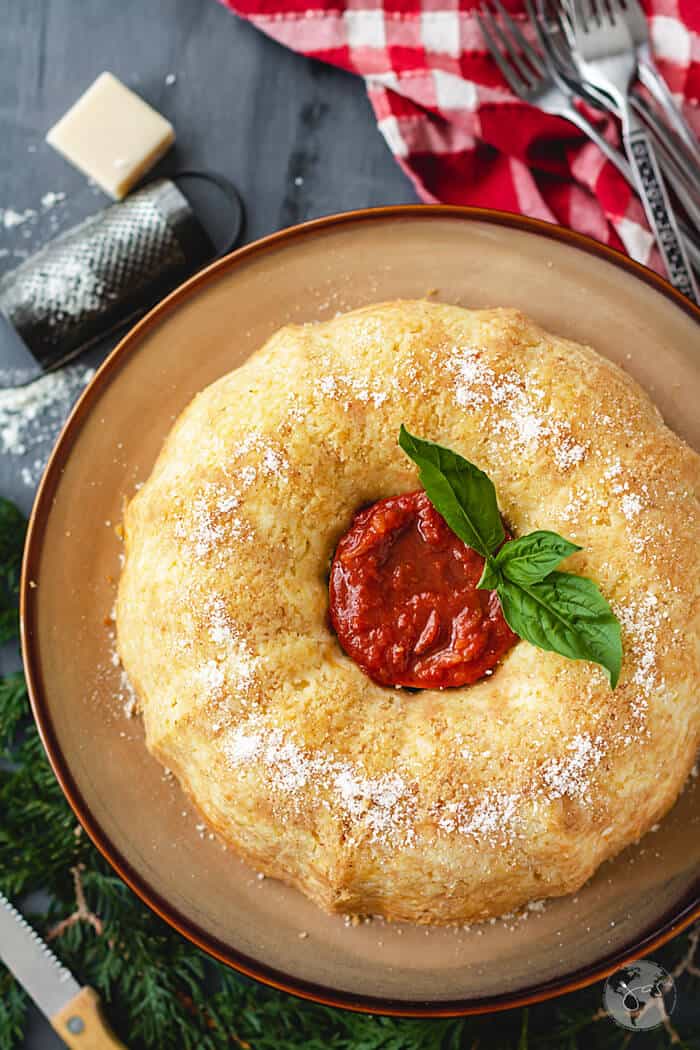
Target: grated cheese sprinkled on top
[211,520]
[521,418]
[238,664]
[570,776]
[493,817]
[347,388]
[380,806]
[211,676]
[272,462]
[631,504]
[641,620]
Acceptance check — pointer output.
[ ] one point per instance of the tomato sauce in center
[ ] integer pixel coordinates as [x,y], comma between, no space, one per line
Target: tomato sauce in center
[404,602]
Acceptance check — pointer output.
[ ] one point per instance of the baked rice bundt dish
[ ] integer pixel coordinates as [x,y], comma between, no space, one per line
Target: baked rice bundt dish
[431,805]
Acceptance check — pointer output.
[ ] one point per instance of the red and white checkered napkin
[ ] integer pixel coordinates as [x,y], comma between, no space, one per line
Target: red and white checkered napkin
[451,122]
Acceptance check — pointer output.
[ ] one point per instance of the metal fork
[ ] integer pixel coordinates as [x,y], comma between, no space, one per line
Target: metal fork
[675,161]
[526,73]
[679,163]
[683,177]
[654,82]
[606,57]
[537,78]
[546,22]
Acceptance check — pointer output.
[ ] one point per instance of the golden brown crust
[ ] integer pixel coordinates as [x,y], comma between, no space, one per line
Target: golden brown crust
[431,807]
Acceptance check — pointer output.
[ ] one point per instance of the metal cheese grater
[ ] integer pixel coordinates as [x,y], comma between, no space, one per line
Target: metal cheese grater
[99,275]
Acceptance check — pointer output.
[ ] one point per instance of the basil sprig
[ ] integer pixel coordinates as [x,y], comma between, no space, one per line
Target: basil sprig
[462,493]
[556,611]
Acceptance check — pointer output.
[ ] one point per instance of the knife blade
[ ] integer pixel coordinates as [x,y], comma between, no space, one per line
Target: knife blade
[72,1010]
[34,965]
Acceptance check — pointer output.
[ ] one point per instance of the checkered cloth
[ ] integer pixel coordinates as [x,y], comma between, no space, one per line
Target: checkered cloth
[453,125]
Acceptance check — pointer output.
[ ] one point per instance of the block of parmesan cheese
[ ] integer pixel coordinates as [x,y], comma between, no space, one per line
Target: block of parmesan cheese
[112,135]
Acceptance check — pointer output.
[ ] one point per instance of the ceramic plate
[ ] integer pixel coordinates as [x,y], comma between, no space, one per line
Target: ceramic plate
[140,819]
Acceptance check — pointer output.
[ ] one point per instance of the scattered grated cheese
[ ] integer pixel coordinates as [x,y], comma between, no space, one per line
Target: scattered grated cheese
[31,416]
[520,417]
[631,504]
[11,218]
[51,199]
[493,817]
[570,776]
[211,676]
[380,806]
[641,620]
[347,388]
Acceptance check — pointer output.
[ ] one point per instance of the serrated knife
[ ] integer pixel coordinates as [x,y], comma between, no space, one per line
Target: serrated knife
[72,1011]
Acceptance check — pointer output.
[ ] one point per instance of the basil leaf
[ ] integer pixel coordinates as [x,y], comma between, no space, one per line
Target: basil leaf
[530,558]
[565,614]
[459,491]
[491,577]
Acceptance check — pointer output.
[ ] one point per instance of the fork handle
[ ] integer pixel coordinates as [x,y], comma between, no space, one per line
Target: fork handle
[659,90]
[657,206]
[672,152]
[692,246]
[675,179]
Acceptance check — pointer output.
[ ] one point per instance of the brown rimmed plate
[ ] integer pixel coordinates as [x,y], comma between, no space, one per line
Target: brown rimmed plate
[137,817]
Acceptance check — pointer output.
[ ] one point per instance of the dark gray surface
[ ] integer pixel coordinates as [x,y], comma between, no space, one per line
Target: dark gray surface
[298,138]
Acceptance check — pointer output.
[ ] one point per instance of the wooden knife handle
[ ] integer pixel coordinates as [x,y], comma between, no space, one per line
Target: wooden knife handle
[81,1025]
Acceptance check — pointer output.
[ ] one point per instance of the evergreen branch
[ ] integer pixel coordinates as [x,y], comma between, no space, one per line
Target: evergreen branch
[13,1010]
[13,711]
[13,528]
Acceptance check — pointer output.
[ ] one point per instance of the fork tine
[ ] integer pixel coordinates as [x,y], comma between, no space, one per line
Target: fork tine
[542,39]
[559,52]
[604,13]
[517,86]
[615,15]
[554,61]
[635,16]
[566,15]
[580,16]
[519,37]
[529,76]
[534,21]
[554,15]
[557,30]
[588,11]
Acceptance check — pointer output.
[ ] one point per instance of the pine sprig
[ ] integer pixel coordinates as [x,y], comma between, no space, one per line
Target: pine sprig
[13,704]
[161,993]
[13,1011]
[38,839]
[13,527]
